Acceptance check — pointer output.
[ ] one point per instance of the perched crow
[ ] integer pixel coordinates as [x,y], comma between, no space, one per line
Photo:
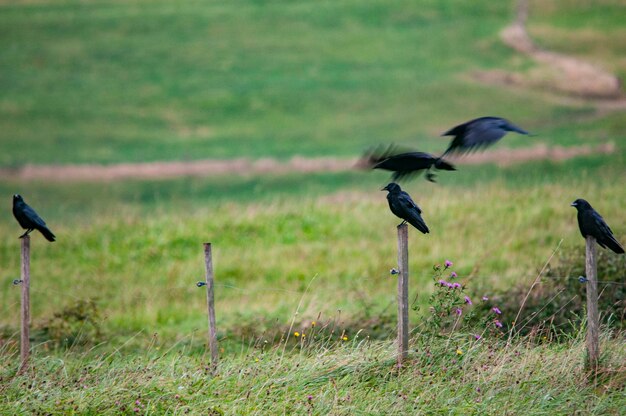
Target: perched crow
[592,224]
[477,133]
[401,204]
[405,164]
[28,218]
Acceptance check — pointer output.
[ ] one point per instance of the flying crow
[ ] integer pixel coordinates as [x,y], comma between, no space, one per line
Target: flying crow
[401,204]
[592,224]
[405,164]
[477,133]
[28,218]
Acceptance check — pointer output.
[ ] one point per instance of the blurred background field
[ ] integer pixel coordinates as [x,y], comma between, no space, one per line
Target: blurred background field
[161,80]
[106,82]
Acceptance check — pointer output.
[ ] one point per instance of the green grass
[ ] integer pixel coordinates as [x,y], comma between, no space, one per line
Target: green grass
[140,258]
[137,81]
[358,377]
[113,81]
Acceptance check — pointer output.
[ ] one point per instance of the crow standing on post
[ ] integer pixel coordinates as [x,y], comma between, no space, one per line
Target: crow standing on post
[592,224]
[401,204]
[477,133]
[29,220]
[405,164]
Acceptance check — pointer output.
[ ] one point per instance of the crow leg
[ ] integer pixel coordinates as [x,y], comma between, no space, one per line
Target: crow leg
[402,223]
[430,177]
[26,233]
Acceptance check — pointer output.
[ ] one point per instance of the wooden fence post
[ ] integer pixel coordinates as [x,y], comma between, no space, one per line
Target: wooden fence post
[403,292]
[25,309]
[593,320]
[210,297]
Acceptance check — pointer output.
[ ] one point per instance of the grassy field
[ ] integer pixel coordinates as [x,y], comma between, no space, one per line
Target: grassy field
[498,230]
[354,378]
[111,81]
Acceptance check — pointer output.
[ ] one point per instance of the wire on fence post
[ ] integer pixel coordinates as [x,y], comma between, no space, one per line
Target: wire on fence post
[403,292]
[210,286]
[25,308]
[593,346]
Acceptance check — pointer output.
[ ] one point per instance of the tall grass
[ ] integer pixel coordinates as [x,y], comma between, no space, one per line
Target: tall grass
[353,377]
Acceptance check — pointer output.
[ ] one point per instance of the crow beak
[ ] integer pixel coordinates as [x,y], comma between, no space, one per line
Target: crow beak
[519,130]
[384,189]
[573,204]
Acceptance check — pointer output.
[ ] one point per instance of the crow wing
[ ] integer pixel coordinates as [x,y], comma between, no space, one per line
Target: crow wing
[407,161]
[32,216]
[475,134]
[407,202]
[603,233]
[412,212]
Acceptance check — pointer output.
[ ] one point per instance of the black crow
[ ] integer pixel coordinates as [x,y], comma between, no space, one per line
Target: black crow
[592,224]
[28,219]
[477,133]
[405,164]
[401,204]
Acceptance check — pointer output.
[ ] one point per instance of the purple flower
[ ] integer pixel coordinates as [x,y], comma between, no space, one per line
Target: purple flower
[458,311]
[448,263]
[456,285]
[453,275]
[477,337]
[496,310]
[443,282]
[309,398]
[468,300]
[498,324]
[485,298]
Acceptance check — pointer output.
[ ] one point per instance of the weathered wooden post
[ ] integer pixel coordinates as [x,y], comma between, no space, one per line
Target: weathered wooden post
[403,292]
[25,309]
[210,297]
[593,320]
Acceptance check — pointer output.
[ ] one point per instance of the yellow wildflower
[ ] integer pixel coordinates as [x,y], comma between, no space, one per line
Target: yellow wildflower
[296,334]
[459,351]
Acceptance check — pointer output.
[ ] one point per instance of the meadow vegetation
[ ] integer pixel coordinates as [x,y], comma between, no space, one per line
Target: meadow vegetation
[119,326]
[111,81]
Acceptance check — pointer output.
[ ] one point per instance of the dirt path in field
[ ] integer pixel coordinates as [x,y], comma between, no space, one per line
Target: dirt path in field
[556,72]
[242,166]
